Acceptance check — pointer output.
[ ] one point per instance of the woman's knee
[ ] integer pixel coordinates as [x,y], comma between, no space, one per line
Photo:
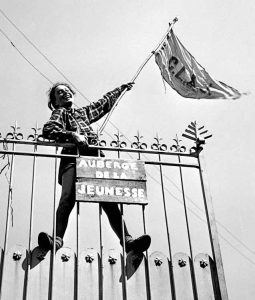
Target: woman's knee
[65,206]
[67,200]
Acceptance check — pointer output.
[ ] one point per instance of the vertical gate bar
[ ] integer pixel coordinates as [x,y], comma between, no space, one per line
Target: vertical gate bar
[212,228]
[31,218]
[188,230]
[32,201]
[143,207]
[54,230]
[124,281]
[76,287]
[6,234]
[101,273]
[185,210]
[167,229]
[144,223]
[147,268]
[146,253]
[9,200]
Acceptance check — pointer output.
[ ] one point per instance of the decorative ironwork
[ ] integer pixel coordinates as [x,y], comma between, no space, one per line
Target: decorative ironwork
[182,262]
[177,147]
[203,263]
[89,258]
[198,135]
[17,255]
[65,257]
[112,260]
[15,135]
[138,144]
[158,261]
[96,141]
[118,143]
[158,146]
[35,136]
[193,132]
[7,165]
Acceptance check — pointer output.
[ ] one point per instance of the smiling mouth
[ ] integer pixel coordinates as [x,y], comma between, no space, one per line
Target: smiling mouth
[67,97]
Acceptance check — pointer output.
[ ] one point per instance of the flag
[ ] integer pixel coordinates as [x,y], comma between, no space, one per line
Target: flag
[185,75]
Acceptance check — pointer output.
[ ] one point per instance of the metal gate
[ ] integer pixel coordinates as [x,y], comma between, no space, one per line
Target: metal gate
[85,273]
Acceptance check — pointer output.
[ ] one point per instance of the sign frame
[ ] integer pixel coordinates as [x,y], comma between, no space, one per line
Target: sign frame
[101,179]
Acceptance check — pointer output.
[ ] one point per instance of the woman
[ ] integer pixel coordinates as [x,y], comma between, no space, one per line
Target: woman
[68,124]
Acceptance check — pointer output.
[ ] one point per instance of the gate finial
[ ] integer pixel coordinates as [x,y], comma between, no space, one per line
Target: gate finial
[198,135]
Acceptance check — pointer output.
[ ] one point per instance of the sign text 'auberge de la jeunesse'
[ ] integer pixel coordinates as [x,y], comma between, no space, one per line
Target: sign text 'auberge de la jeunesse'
[110,180]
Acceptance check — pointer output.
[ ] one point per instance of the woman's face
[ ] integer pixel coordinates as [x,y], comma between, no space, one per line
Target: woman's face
[64,97]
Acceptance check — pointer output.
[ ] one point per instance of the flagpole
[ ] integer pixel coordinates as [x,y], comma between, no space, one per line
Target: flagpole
[136,75]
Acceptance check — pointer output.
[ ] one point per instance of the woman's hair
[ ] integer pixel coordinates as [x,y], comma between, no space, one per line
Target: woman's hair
[51,94]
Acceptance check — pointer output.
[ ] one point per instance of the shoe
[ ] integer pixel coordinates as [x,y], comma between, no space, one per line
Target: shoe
[140,244]
[45,241]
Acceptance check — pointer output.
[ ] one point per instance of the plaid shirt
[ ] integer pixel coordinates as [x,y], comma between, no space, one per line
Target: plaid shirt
[65,121]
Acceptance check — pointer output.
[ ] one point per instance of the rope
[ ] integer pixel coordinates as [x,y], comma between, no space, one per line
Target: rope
[6,36]
[43,55]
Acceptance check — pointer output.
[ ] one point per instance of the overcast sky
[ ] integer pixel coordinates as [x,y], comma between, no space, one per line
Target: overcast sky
[98,45]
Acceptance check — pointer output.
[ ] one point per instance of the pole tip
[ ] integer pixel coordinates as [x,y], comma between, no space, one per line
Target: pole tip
[173,22]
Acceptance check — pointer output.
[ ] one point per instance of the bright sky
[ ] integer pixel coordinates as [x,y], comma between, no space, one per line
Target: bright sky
[98,45]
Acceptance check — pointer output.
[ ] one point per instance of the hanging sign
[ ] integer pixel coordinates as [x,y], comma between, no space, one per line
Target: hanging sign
[110,180]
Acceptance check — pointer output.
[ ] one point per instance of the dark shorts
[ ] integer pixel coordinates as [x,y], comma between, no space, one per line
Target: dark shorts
[70,162]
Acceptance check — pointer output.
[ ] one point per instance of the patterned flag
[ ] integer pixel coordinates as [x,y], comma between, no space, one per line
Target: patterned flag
[185,75]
